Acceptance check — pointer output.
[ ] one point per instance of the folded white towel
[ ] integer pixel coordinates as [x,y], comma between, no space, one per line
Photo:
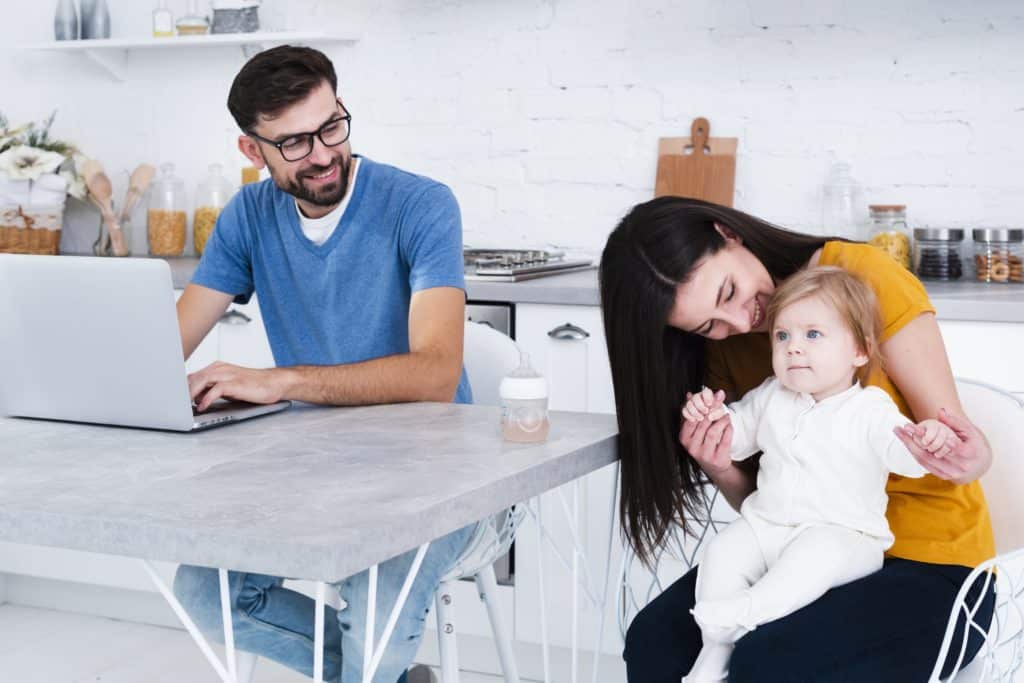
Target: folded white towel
[14,192]
[49,190]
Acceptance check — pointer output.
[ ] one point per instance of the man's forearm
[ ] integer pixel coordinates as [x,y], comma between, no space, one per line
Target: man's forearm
[416,376]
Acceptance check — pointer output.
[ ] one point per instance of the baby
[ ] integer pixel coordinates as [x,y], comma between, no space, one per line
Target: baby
[817,519]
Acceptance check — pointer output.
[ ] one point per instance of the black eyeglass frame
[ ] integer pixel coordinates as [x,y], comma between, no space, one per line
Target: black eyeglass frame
[347,118]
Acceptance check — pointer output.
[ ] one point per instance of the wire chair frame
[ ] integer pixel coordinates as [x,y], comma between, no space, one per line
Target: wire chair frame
[705,526]
[491,539]
[1001,657]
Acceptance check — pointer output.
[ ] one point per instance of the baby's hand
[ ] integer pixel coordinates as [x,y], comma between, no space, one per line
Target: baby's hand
[935,437]
[704,405]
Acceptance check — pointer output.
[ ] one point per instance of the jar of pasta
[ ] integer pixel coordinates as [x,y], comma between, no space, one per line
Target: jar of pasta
[166,219]
[211,196]
[998,255]
[889,231]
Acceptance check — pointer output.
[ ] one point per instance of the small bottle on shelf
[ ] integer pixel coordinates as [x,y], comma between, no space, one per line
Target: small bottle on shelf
[163,20]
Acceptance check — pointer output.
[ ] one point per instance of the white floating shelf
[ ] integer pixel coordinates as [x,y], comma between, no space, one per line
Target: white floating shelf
[113,53]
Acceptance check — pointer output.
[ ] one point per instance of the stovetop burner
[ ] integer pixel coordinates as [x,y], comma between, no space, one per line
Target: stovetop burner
[513,265]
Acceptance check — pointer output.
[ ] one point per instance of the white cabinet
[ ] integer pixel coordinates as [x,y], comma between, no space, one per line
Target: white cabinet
[239,338]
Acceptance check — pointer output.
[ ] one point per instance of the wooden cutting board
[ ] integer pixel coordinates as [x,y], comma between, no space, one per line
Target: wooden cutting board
[699,166]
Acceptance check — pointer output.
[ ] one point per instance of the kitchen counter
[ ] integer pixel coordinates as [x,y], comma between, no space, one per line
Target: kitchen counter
[964,300]
[314,492]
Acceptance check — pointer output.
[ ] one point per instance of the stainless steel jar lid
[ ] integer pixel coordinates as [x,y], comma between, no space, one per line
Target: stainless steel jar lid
[939,234]
[998,235]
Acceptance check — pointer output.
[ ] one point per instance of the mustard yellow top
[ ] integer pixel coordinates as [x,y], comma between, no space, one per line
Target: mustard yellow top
[933,520]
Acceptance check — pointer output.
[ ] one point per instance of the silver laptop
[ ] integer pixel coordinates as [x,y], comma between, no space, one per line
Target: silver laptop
[91,339]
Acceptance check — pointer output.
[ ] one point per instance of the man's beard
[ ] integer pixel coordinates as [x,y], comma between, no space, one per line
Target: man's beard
[328,195]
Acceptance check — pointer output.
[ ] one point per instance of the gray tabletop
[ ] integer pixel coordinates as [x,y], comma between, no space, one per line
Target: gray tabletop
[313,493]
[962,300]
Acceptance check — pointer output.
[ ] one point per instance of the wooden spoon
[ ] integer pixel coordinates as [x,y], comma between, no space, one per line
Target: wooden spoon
[138,183]
[100,191]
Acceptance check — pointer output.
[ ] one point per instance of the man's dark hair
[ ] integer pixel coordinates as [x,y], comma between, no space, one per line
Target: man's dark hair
[275,79]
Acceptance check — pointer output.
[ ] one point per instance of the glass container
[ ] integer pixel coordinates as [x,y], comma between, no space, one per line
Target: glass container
[938,253]
[998,255]
[889,231]
[212,195]
[166,218]
[163,21]
[192,23]
[842,199]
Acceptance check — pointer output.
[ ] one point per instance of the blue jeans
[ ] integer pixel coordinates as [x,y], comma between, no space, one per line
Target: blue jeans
[277,623]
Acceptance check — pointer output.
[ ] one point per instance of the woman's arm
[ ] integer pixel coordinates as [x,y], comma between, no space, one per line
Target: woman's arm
[915,360]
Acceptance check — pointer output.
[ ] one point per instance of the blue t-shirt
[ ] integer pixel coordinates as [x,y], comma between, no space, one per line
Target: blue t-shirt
[347,300]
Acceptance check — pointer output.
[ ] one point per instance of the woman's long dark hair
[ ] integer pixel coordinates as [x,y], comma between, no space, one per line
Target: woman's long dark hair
[649,254]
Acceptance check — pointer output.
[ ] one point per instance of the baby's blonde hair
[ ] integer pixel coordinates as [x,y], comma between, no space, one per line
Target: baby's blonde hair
[852,299]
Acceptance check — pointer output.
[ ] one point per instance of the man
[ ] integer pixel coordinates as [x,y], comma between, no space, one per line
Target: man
[358,268]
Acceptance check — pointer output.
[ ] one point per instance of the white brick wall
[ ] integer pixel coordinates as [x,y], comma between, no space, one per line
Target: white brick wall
[544,115]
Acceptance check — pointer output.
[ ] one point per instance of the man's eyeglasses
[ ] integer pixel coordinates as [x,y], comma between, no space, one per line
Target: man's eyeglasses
[299,146]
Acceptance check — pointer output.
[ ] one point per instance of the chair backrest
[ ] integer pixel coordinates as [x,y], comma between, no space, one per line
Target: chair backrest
[1001,417]
[488,355]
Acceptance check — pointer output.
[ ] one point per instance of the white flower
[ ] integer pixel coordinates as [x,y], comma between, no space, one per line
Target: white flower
[28,163]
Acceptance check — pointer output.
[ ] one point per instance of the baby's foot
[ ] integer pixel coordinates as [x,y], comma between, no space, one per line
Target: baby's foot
[712,664]
[724,621]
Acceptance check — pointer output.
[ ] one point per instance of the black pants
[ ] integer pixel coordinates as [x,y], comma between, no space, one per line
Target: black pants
[885,627]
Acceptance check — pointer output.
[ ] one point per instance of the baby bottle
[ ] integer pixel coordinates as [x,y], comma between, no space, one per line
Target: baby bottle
[524,403]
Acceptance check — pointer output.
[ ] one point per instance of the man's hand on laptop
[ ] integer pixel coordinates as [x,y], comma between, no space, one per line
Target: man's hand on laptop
[223,380]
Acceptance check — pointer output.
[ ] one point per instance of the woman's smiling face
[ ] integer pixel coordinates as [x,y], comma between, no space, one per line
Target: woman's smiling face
[727,294]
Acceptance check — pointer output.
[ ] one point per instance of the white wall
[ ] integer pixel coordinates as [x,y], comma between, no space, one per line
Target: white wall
[544,115]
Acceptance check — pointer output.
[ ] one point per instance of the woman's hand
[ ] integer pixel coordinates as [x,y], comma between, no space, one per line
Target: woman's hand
[706,433]
[967,457]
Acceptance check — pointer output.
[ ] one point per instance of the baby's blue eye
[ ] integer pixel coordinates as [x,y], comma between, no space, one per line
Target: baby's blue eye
[781,336]
[813,334]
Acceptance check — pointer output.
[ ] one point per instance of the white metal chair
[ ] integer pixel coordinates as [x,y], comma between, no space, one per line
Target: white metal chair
[1001,658]
[488,355]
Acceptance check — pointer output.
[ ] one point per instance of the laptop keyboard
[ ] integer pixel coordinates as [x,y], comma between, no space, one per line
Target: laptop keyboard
[218,407]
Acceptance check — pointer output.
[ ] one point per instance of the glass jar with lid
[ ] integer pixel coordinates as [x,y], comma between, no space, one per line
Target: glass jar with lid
[889,231]
[192,23]
[211,196]
[938,253]
[998,254]
[166,219]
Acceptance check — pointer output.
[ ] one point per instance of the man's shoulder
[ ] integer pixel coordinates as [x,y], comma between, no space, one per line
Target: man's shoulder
[385,178]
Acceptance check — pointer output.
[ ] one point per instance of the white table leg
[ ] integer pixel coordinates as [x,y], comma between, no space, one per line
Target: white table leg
[372,655]
[579,569]
[318,634]
[607,573]
[229,630]
[576,551]
[190,626]
[543,601]
[371,611]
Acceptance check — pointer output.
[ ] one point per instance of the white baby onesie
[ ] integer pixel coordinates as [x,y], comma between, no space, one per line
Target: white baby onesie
[817,519]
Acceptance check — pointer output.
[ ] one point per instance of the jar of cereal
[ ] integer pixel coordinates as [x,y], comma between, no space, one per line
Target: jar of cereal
[889,231]
[166,219]
[211,196]
[998,255]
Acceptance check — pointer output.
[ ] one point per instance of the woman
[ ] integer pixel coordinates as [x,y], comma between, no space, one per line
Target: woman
[684,287]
